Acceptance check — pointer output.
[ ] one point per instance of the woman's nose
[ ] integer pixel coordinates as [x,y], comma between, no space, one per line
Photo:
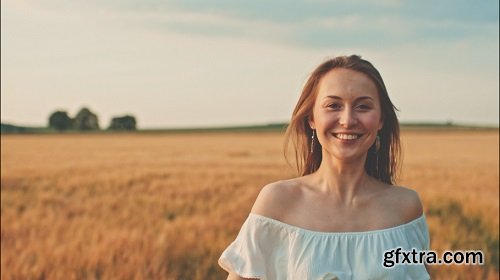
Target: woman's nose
[347,118]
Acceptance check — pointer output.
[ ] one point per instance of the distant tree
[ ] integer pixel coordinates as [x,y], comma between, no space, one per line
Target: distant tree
[60,120]
[123,123]
[86,120]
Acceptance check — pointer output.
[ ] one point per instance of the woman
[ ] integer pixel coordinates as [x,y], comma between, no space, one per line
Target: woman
[338,218]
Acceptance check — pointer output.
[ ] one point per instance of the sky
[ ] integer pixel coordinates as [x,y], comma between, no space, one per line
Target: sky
[186,63]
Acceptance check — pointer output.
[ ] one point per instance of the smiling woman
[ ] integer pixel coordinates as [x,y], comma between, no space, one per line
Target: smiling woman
[338,218]
[347,120]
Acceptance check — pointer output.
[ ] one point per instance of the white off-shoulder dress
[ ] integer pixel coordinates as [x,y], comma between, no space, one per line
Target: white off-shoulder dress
[266,248]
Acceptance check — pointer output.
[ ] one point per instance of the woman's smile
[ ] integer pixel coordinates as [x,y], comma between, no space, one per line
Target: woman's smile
[347,136]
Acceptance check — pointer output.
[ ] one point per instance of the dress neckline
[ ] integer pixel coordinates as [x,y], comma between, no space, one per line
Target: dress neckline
[316,232]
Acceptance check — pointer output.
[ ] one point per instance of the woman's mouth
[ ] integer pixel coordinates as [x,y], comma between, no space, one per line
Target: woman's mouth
[347,136]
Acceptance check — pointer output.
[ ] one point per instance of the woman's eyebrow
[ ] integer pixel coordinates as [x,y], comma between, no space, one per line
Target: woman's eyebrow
[340,98]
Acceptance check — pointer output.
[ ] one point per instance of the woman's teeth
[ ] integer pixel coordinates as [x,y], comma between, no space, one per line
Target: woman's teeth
[346,136]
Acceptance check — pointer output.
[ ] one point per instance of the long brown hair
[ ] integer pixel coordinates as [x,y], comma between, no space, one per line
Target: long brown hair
[382,164]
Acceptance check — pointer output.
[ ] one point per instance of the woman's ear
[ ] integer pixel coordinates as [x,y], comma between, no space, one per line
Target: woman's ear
[381,124]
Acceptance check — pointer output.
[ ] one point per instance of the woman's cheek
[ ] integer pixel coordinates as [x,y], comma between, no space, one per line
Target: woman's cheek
[371,121]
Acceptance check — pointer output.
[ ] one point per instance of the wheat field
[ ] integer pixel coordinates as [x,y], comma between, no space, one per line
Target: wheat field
[164,206]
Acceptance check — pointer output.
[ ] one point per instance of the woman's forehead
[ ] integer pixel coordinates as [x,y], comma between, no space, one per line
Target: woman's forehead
[346,83]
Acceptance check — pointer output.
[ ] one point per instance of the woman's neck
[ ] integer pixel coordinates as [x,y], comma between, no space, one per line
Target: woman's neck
[340,179]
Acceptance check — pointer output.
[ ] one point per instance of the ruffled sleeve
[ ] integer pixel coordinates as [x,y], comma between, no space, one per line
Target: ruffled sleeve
[255,253]
[421,237]
[418,237]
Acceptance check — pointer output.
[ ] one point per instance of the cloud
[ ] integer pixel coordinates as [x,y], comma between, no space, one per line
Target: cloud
[298,11]
[327,32]
[310,24]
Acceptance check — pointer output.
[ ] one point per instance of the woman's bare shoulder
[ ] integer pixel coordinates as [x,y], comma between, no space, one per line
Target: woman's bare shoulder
[275,198]
[406,202]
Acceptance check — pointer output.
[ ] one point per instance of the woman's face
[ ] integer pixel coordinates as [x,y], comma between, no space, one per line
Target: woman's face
[347,114]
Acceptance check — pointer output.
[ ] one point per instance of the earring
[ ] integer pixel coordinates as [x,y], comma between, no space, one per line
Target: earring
[312,140]
[377,143]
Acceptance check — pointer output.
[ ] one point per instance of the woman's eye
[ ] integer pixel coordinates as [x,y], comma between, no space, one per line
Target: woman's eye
[334,106]
[364,107]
